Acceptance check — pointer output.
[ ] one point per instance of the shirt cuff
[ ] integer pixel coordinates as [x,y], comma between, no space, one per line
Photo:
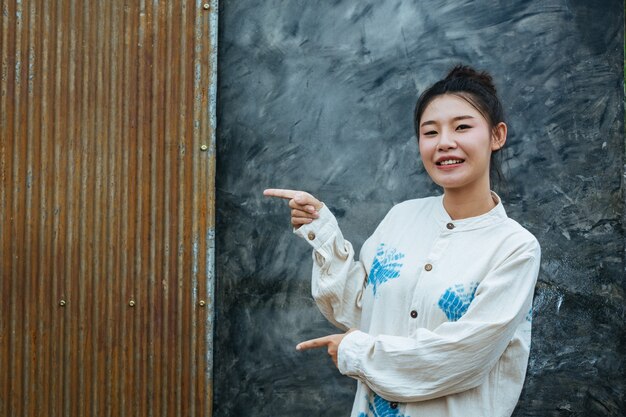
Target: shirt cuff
[352,349]
[320,231]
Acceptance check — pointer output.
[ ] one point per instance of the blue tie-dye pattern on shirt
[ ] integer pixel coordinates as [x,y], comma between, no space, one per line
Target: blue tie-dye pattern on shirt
[456,300]
[529,316]
[384,267]
[381,408]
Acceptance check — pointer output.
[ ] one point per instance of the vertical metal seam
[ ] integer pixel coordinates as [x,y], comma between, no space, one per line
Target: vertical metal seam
[97,269]
[165,274]
[111,277]
[197,100]
[38,83]
[16,335]
[27,249]
[74,172]
[4,319]
[125,133]
[48,303]
[181,285]
[17,252]
[5,188]
[53,135]
[153,203]
[83,272]
[69,205]
[141,111]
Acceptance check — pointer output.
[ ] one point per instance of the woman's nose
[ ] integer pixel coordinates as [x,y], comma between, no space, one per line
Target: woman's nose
[446,141]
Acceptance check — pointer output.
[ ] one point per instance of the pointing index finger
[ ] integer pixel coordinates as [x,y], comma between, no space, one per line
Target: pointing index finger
[313,343]
[280,193]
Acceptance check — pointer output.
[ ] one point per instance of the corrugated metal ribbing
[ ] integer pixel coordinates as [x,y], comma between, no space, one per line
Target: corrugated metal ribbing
[107,161]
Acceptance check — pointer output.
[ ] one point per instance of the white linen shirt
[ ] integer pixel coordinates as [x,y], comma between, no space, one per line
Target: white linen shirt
[442,307]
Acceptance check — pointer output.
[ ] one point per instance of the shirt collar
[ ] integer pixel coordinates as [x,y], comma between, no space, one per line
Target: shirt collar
[493,216]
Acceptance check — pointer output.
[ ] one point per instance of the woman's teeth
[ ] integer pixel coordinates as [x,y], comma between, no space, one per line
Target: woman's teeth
[450,162]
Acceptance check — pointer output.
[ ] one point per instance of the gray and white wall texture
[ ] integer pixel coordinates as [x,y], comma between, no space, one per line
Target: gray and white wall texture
[319,96]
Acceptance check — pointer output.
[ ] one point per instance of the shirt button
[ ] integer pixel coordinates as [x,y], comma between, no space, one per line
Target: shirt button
[450,226]
[311,236]
[428,267]
[393,405]
[414,314]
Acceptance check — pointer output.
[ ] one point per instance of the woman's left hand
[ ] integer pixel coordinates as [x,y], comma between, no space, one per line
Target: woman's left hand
[331,342]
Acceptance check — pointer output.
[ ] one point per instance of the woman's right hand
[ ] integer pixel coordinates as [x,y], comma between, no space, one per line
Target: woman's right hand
[304,207]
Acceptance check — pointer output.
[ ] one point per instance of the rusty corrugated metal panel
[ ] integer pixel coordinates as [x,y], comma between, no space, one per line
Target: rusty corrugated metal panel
[107,207]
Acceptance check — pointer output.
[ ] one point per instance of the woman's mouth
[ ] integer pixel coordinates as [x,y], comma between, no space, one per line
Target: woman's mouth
[449,162]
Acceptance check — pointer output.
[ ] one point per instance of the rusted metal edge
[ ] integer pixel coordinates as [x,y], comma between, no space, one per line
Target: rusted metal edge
[210,233]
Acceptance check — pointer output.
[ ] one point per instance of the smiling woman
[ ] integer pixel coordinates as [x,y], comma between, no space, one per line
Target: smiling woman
[464,88]
[457,143]
[436,311]
[460,126]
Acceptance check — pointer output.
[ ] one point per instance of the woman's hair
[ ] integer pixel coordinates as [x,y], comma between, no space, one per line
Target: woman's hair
[478,90]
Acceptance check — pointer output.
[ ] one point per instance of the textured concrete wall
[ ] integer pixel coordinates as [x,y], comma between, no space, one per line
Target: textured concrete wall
[319,96]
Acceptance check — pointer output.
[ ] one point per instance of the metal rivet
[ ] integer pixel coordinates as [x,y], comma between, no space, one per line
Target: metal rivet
[206,6]
[131,303]
[204,147]
[201,303]
[62,303]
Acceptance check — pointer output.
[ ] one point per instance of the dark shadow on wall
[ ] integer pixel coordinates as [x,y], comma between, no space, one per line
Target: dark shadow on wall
[319,96]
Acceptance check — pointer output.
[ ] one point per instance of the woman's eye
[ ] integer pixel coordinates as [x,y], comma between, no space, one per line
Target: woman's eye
[462,127]
[430,133]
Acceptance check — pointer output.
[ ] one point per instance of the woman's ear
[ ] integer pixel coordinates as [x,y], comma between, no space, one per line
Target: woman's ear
[498,139]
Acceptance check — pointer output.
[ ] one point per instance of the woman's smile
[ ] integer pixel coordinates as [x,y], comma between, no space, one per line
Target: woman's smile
[447,163]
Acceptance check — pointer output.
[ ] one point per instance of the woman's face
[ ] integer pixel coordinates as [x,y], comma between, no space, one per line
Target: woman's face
[456,142]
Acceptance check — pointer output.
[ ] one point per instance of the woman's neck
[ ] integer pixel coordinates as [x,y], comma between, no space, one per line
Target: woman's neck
[461,204]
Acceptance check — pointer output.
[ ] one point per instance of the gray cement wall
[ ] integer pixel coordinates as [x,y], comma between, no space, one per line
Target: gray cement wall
[319,96]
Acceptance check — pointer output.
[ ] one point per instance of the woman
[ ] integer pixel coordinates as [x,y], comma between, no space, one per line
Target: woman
[437,309]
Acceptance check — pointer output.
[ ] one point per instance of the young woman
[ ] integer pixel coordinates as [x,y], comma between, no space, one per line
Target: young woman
[437,310]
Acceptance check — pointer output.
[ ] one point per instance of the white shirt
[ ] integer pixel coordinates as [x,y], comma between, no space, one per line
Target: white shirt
[442,308]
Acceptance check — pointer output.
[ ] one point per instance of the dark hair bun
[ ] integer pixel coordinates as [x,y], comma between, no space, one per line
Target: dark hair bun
[464,71]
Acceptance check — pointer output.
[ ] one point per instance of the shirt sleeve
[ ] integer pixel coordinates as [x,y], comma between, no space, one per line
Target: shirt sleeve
[455,356]
[338,279]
